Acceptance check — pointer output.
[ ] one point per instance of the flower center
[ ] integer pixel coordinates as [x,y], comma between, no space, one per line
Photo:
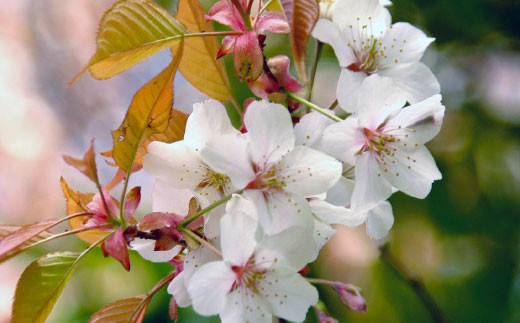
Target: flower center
[376,141]
[216,180]
[247,276]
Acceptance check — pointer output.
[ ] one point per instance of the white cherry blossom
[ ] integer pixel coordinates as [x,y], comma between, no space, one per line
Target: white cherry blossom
[255,280]
[385,142]
[365,44]
[277,175]
[335,208]
[180,164]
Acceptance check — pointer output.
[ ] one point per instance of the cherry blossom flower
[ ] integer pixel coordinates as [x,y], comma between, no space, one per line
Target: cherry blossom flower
[277,175]
[248,56]
[180,164]
[335,207]
[385,142]
[254,280]
[366,44]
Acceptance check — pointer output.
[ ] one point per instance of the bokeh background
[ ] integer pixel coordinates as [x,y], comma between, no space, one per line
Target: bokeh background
[463,241]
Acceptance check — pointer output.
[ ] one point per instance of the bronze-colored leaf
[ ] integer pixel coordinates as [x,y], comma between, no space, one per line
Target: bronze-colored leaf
[76,203]
[149,114]
[302,16]
[119,311]
[200,65]
[129,32]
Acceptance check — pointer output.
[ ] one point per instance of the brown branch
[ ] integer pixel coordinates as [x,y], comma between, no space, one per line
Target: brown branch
[416,284]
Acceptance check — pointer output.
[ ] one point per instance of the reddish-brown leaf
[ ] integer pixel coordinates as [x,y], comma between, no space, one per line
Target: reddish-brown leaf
[120,311]
[13,238]
[302,16]
[87,165]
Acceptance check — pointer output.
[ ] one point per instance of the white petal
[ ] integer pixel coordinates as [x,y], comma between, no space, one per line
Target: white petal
[228,154]
[209,286]
[208,120]
[179,291]
[195,259]
[166,198]
[378,98]
[404,43]
[418,123]
[270,131]
[332,214]
[368,13]
[308,172]
[242,308]
[416,80]
[412,172]
[323,232]
[212,222]
[328,32]
[174,163]
[371,186]
[309,131]
[341,193]
[380,220]
[289,294]
[146,247]
[344,140]
[292,248]
[349,86]
[265,218]
[286,211]
[238,229]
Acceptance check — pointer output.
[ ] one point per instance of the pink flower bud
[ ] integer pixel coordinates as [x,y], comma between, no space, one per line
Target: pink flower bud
[323,317]
[351,296]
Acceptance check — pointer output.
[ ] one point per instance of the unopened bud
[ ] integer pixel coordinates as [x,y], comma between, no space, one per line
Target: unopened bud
[324,317]
[350,295]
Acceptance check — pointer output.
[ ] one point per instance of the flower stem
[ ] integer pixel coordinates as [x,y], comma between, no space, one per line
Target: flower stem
[203,242]
[319,50]
[163,282]
[417,286]
[194,217]
[123,196]
[314,107]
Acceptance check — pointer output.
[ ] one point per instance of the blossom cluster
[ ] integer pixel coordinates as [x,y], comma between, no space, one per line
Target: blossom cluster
[271,192]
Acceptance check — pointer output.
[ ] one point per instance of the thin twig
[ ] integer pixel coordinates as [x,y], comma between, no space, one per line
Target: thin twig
[416,285]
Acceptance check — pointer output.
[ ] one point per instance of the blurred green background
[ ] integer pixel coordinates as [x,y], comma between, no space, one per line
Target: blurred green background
[463,241]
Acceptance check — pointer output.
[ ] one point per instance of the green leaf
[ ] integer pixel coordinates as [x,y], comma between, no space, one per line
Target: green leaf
[121,311]
[41,284]
[149,114]
[129,32]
